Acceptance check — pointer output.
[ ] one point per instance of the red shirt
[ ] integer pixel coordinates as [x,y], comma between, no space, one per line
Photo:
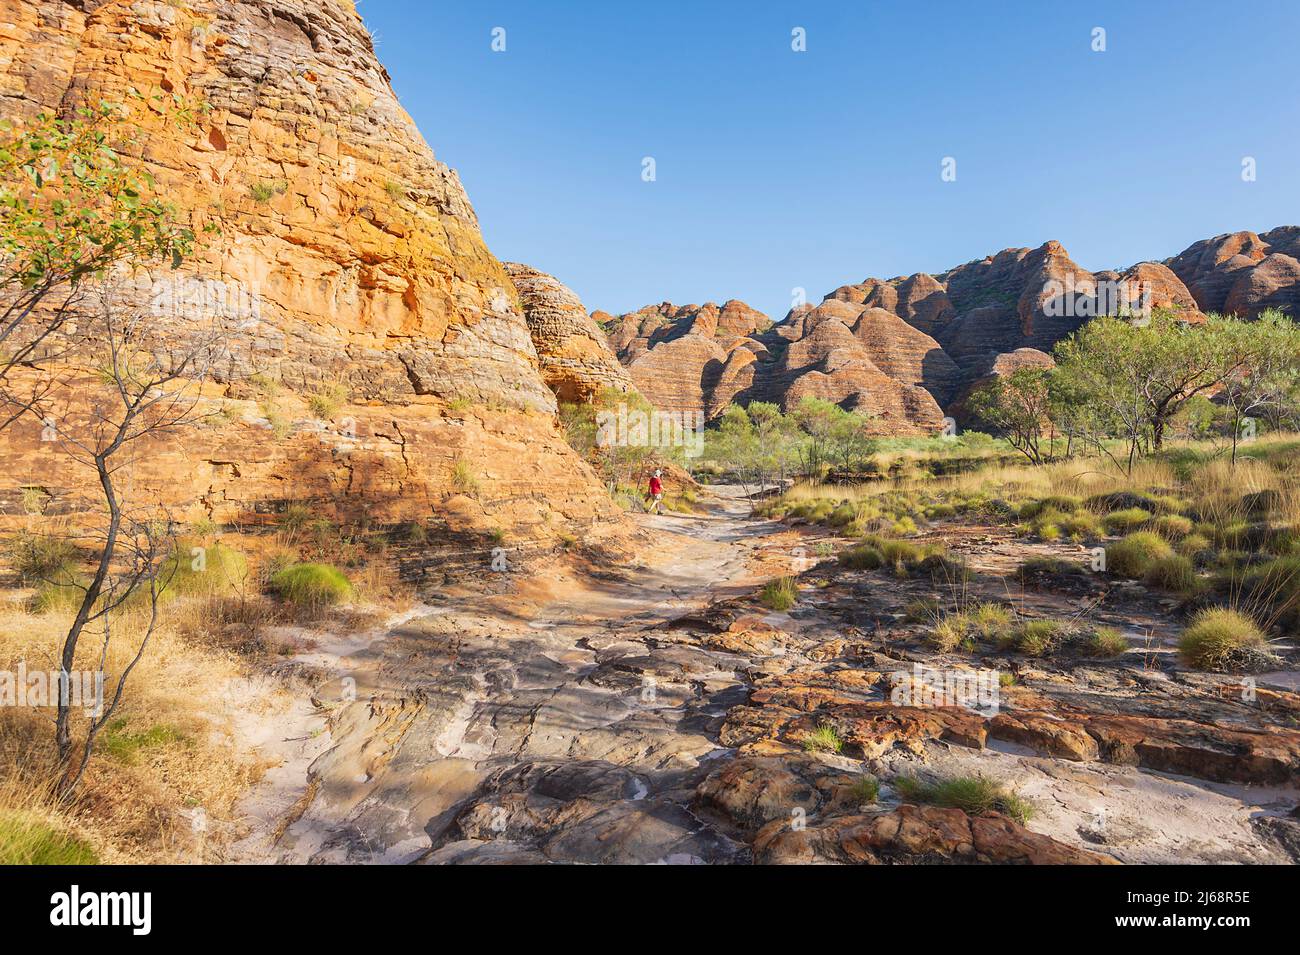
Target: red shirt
[656,486]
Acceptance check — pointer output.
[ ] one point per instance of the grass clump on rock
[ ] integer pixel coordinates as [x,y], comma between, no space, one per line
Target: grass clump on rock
[963,630]
[779,594]
[863,557]
[1173,527]
[1127,520]
[1225,640]
[922,610]
[974,795]
[865,790]
[1175,573]
[1105,643]
[824,739]
[311,585]
[1133,556]
[1035,638]
[1274,584]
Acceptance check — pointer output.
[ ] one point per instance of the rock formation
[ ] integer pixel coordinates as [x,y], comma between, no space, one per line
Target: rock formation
[703,358]
[576,359]
[1241,273]
[912,348]
[347,258]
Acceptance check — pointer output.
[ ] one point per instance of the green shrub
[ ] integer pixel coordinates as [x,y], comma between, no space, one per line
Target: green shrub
[1129,519]
[1224,640]
[191,570]
[266,191]
[463,478]
[1174,573]
[63,593]
[1196,547]
[844,514]
[326,400]
[904,526]
[974,795]
[1275,582]
[779,594]
[863,557]
[1105,642]
[1063,502]
[1233,535]
[1035,638]
[1173,526]
[1081,525]
[824,738]
[1168,504]
[990,619]
[952,632]
[1133,556]
[1283,541]
[1272,588]
[865,789]
[26,840]
[311,585]
[41,557]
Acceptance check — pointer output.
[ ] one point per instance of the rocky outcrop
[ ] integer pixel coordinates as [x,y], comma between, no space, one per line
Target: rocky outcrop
[916,835]
[576,359]
[920,344]
[703,359]
[1242,273]
[343,255]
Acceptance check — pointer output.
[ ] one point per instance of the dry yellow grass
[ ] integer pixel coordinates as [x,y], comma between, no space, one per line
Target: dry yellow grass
[177,750]
[168,754]
[1216,487]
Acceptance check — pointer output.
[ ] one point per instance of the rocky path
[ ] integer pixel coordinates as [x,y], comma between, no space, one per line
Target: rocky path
[657,714]
[440,738]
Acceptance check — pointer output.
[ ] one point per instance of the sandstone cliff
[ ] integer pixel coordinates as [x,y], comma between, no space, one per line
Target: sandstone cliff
[1242,273]
[911,348]
[576,360]
[348,258]
[703,358]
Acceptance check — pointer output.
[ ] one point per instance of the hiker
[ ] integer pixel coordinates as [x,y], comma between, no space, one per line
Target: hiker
[656,495]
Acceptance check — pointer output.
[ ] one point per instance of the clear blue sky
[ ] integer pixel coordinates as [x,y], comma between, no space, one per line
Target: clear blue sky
[778,169]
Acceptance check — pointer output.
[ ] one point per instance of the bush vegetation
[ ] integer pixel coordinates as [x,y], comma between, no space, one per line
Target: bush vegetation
[974,795]
[311,585]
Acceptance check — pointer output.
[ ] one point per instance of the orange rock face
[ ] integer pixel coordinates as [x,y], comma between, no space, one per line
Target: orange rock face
[703,359]
[917,345]
[576,360]
[348,258]
[1242,273]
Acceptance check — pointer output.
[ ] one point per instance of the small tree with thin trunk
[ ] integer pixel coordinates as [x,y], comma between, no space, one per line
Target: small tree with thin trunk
[1019,406]
[148,388]
[1265,377]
